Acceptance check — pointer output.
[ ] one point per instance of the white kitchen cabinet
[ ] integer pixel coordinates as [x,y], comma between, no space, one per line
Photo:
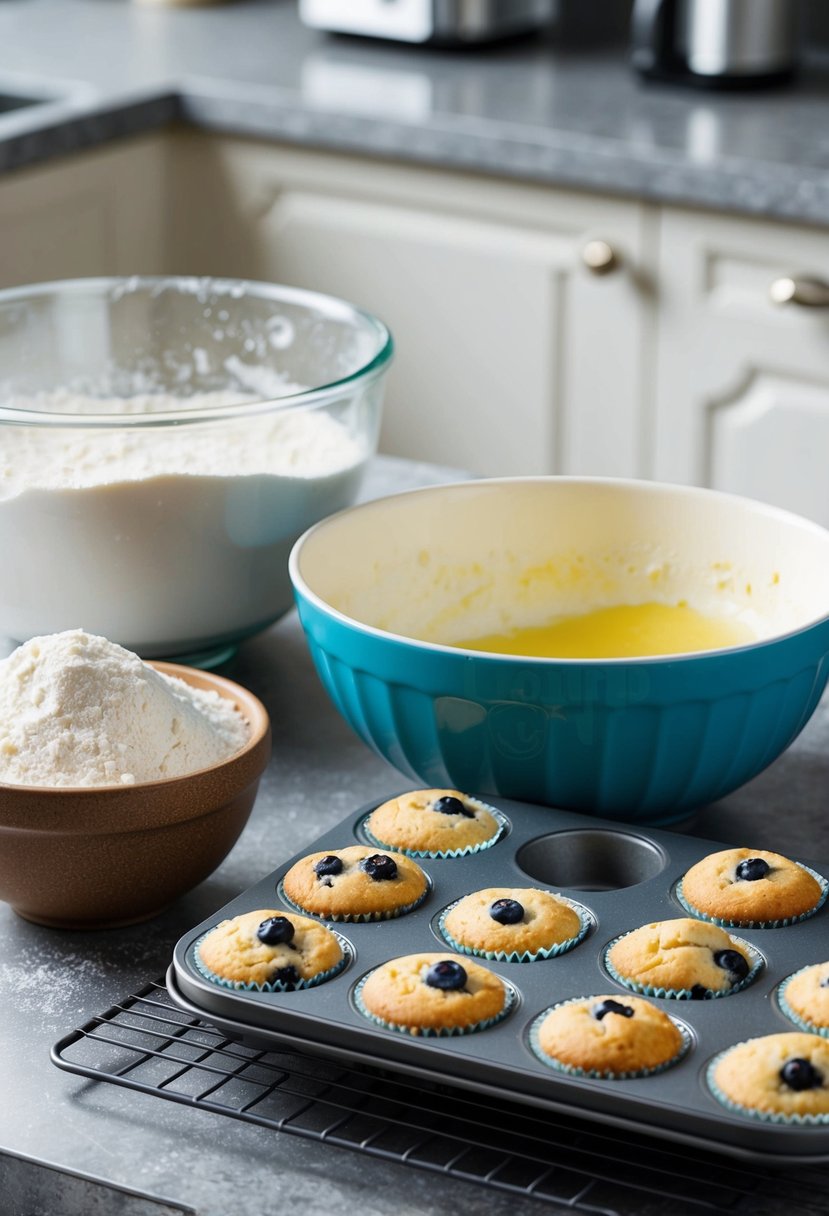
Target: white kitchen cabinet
[511,358]
[94,213]
[742,383]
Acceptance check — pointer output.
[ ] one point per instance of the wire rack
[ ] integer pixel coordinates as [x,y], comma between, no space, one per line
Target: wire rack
[147,1043]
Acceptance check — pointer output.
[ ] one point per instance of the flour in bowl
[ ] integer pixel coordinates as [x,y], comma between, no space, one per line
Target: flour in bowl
[296,444]
[174,538]
[78,710]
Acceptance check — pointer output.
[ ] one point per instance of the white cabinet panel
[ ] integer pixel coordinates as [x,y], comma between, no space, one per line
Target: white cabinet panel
[511,356]
[772,442]
[98,213]
[473,307]
[742,384]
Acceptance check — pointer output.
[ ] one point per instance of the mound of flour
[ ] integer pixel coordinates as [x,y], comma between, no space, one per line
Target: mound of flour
[78,710]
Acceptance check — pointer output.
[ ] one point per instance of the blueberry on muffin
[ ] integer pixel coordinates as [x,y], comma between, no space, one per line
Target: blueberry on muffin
[269,950]
[514,924]
[355,883]
[751,888]
[434,823]
[609,1037]
[684,958]
[781,1077]
[433,994]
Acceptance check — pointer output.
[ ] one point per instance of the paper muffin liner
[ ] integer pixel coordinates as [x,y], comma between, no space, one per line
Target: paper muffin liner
[685,994]
[759,924]
[434,1032]
[498,816]
[521,956]
[797,1018]
[243,986]
[596,1074]
[762,1116]
[354,918]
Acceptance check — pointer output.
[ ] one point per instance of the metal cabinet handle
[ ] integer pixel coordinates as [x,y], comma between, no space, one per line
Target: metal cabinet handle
[808,293]
[599,257]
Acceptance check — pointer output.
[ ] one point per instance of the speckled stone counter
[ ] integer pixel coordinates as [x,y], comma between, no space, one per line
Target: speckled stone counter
[158,1158]
[531,110]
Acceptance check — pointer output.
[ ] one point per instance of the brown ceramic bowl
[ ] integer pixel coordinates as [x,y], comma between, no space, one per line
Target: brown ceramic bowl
[98,857]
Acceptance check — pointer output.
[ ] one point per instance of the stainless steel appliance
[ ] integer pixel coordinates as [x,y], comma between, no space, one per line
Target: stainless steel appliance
[441,21]
[718,43]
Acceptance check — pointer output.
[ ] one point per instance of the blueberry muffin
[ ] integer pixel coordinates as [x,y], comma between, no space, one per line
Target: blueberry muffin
[781,1077]
[270,951]
[355,883]
[433,994]
[804,997]
[684,958]
[513,924]
[608,1037]
[750,888]
[434,823]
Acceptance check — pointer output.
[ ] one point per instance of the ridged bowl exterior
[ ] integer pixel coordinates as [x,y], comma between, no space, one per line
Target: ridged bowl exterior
[644,741]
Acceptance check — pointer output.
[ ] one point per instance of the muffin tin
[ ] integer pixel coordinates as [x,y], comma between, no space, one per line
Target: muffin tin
[625,877]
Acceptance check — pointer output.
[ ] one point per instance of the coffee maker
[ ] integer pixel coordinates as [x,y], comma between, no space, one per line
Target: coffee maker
[715,43]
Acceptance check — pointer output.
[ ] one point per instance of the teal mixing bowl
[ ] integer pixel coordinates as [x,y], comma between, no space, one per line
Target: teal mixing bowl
[386,590]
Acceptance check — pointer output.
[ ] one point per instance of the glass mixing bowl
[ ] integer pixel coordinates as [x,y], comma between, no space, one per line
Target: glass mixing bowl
[163,442]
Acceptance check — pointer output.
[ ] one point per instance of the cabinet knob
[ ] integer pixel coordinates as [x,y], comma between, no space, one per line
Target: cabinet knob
[599,257]
[808,293]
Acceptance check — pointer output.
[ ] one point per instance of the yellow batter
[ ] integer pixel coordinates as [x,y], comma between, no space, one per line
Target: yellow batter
[624,631]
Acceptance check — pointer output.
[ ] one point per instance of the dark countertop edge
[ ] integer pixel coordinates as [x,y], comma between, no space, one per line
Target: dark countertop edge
[41,1163]
[502,151]
[524,159]
[85,127]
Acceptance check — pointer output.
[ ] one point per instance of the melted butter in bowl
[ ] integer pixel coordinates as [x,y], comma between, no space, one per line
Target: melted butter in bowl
[623,631]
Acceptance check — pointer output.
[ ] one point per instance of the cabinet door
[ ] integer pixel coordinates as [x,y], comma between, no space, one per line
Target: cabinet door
[742,390]
[511,356]
[98,213]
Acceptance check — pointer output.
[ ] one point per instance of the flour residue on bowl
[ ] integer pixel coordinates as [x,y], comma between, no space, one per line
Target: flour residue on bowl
[78,710]
[629,602]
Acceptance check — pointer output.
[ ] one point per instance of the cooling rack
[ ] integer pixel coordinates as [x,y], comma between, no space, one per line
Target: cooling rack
[146,1043]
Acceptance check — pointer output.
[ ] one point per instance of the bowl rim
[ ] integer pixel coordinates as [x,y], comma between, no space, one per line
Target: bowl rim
[254,712]
[638,485]
[332,306]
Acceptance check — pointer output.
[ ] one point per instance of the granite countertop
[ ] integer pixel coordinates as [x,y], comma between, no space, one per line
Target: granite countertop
[55,1126]
[530,110]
